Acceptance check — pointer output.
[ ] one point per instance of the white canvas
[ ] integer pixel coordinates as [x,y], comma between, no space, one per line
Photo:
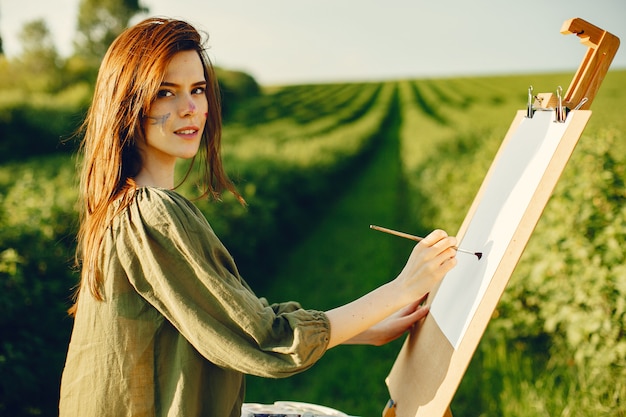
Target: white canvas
[511,186]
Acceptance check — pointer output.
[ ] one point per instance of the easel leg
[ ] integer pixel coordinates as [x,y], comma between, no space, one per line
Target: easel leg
[448,413]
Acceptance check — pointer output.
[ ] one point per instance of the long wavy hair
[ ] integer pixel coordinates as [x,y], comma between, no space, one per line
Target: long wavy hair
[128,81]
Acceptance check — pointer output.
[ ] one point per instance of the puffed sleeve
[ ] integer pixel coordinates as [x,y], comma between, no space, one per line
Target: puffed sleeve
[176,263]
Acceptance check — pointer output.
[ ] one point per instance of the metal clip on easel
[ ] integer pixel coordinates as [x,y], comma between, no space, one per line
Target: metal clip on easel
[561,112]
[530,111]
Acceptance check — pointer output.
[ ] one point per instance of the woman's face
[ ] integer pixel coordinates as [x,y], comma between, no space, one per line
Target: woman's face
[175,122]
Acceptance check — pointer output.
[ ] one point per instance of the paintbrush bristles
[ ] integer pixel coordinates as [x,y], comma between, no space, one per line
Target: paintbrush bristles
[417,239]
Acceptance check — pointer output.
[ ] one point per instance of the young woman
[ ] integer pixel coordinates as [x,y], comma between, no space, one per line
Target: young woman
[164,324]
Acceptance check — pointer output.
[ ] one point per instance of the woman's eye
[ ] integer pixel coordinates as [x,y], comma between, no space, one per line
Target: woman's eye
[198,90]
[164,93]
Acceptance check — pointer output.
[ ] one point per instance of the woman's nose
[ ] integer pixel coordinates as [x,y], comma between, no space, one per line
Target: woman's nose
[188,107]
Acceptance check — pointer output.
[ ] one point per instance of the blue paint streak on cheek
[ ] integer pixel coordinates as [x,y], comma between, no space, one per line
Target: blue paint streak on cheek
[160,121]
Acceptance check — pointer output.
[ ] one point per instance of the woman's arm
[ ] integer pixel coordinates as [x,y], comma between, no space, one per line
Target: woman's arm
[429,261]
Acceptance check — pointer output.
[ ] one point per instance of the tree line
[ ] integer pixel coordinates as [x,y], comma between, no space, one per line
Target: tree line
[40,68]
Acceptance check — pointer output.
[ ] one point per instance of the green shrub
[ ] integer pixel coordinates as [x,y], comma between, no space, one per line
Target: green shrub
[37,225]
[39,125]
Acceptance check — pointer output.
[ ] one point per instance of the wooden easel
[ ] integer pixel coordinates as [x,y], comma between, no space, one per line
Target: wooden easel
[429,368]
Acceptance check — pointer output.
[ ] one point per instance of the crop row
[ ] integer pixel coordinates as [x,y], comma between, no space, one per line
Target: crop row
[287,171]
[299,103]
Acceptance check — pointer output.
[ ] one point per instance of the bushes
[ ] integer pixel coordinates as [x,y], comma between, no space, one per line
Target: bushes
[236,87]
[37,225]
[33,124]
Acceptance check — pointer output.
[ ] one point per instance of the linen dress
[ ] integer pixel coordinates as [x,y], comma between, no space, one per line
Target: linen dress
[178,327]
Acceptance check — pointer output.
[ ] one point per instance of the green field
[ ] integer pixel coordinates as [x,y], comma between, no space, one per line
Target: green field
[318,164]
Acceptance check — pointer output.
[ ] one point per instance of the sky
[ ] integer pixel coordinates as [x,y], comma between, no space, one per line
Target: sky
[306,41]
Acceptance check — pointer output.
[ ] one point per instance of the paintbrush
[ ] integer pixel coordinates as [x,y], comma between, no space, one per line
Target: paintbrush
[417,239]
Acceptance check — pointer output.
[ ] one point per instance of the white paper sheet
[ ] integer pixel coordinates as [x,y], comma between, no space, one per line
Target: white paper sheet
[511,186]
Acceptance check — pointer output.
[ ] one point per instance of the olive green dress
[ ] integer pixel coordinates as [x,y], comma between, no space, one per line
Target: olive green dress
[178,327]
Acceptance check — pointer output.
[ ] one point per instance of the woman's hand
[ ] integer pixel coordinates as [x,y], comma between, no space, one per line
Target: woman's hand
[393,326]
[428,263]
[430,260]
